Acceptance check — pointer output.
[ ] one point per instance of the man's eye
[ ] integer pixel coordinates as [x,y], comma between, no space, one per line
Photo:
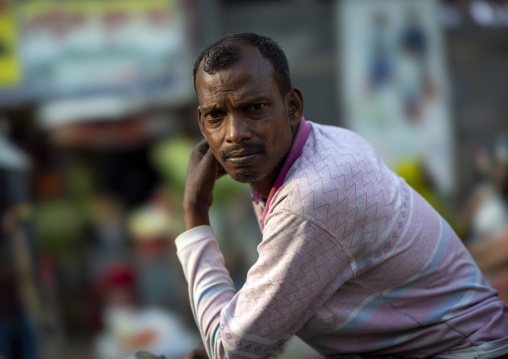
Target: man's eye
[214,115]
[255,107]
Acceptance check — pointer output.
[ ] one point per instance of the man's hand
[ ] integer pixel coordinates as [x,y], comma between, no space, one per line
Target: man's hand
[202,172]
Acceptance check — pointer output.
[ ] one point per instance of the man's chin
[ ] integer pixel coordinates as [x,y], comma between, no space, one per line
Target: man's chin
[252,176]
[243,176]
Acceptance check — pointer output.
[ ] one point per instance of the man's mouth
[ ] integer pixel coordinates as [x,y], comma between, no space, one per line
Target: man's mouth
[241,157]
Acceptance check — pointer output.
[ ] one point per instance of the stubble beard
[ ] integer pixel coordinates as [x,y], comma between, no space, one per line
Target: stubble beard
[252,176]
[245,175]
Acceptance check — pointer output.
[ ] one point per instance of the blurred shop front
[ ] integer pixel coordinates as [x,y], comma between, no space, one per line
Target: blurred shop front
[94,93]
[98,115]
[97,97]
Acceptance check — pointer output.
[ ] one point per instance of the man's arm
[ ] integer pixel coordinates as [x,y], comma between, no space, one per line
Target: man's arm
[282,289]
[281,292]
[202,172]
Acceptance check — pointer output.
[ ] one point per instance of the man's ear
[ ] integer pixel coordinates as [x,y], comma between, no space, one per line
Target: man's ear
[294,102]
[200,122]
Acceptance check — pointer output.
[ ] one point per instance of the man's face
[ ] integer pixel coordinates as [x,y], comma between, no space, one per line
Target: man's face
[248,125]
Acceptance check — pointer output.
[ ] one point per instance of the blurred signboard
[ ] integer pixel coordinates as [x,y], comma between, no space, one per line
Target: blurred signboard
[394,83]
[10,71]
[94,47]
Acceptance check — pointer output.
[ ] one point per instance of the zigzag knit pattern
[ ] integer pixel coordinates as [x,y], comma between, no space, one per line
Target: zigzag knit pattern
[352,260]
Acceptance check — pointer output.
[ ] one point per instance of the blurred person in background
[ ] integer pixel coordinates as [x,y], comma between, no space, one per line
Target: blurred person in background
[130,325]
[413,74]
[352,260]
[485,214]
[18,337]
[492,258]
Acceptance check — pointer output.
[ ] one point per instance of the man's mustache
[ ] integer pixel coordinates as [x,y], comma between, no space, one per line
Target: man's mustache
[254,147]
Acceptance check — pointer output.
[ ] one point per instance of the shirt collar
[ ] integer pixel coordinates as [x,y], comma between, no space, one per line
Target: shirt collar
[302,134]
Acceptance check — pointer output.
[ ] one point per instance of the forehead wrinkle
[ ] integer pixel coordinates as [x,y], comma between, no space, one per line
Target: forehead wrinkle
[226,91]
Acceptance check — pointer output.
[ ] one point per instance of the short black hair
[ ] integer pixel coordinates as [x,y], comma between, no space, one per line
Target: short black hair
[224,52]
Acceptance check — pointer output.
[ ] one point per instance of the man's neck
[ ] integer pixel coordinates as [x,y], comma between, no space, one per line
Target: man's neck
[264,187]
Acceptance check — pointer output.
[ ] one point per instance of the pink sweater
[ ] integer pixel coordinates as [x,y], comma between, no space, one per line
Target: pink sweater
[352,261]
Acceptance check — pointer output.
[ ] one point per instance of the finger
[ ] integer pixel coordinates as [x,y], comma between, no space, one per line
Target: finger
[203,146]
[220,170]
[199,149]
[210,161]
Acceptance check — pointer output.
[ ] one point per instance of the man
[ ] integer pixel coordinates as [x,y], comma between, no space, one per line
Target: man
[352,260]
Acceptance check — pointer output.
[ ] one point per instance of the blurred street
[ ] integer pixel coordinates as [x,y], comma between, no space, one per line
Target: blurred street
[98,116]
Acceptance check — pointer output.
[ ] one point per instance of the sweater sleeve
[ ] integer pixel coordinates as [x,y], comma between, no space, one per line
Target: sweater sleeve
[300,266]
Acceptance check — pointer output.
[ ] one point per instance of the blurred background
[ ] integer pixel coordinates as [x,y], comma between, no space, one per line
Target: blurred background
[98,114]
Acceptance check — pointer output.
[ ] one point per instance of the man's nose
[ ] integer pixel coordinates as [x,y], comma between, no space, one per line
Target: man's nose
[237,128]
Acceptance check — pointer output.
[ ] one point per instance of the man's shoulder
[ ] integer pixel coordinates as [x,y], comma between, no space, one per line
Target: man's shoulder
[329,148]
[320,172]
[336,163]
[335,132]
